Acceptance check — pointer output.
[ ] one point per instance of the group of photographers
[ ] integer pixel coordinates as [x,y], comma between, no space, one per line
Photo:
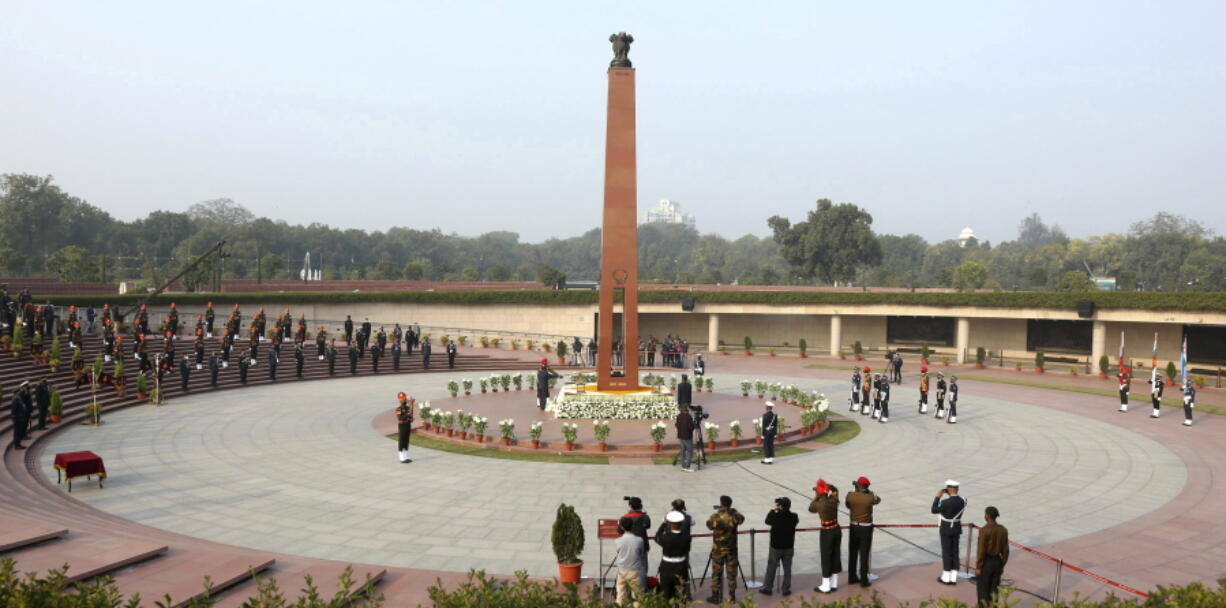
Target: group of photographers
[674,538]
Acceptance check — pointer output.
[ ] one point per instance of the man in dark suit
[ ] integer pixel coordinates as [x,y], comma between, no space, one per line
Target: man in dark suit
[451,353]
[42,397]
[348,329]
[543,374]
[396,355]
[353,359]
[770,426]
[19,410]
[184,373]
[684,391]
[272,365]
[214,369]
[425,353]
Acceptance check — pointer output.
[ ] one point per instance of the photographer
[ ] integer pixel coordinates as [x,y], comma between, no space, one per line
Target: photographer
[826,504]
[641,523]
[678,505]
[685,434]
[723,524]
[782,522]
[631,567]
[674,571]
[949,506]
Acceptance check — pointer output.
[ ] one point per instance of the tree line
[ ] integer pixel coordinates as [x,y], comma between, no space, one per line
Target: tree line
[45,231]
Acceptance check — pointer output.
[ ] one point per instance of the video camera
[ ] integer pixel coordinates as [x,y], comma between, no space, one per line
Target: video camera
[698,413]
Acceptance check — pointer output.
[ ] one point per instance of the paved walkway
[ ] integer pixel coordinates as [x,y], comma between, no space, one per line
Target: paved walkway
[297,469]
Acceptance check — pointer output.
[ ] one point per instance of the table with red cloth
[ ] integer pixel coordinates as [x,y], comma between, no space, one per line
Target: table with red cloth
[79,464]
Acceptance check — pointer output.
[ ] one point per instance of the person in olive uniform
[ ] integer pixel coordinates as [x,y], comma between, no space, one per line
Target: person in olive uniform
[330,355]
[425,353]
[321,342]
[185,372]
[272,364]
[543,374]
[242,366]
[451,353]
[348,329]
[404,425]
[826,504]
[376,353]
[299,359]
[723,525]
[923,388]
[1189,401]
[991,558]
[396,356]
[353,360]
[860,503]
[950,507]
[214,369]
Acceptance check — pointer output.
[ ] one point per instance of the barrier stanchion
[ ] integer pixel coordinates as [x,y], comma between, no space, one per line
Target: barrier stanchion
[1055,594]
[752,582]
[970,535]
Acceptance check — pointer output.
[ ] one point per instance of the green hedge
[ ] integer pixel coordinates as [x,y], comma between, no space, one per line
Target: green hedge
[1201,301]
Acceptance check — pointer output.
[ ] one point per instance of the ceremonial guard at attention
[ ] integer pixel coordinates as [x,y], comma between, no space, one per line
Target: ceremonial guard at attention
[273,359]
[885,403]
[396,355]
[543,374]
[991,558]
[770,427]
[227,344]
[353,359]
[209,317]
[404,425]
[941,386]
[330,355]
[1189,401]
[185,372]
[878,381]
[953,400]
[854,400]
[348,329]
[198,346]
[923,388]
[860,503]
[299,359]
[865,388]
[108,341]
[321,341]
[214,369]
[826,505]
[723,525]
[253,343]
[949,506]
[1125,380]
[244,363]
[1155,392]
[452,350]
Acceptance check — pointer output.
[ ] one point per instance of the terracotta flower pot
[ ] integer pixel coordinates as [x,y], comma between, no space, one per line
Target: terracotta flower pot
[425,426]
[710,445]
[506,441]
[655,447]
[569,573]
[450,432]
[748,354]
[463,434]
[760,396]
[744,394]
[1102,375]
[453,395]
[561,361]
[733,443]
[467,393]
[603,446]
[570,445]
[978,366]
[55,418]
[536,443]
[483,391]
[804,356]
[140,395]
[1038,370]
[480,438]
[857,358]
[757,440]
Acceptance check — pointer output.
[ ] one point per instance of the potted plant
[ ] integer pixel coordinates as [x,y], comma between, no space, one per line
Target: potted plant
[1072,370]
[534,432]
[479,424]
[1199,381]
[56,409]
[748,346]
[945,361]
[709,382]
[712,431]
[505,381]
[842,354]
[468,386]
[857,351]
[1017,366]
[734,429]
[493,380]
[1104,364]
[723,350]
[925,352]
[514,344]
[485,341]
[449,423]
[436,417]
[117,374]
[530,344]
[745,386]
[658,430]
[518,379]
[1039,360]
[545,346]
[561,352]
[760,386]
[775,389]
[600,428]
[453,387]
[54,359]
[15,345]
[570,432]
[567,540]
[757,431]
[804,346]
[466,422]
[142,386]
[426,412]
[5,342]
[155,396]
[506,428]
[463,340]
[93,413]
[485,384]
[980,355]
[1171,372]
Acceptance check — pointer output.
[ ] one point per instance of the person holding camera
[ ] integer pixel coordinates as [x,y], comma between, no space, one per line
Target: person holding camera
[826,504]
[723,524]
[543,374]
[685,434]
[641,523]
[991,558]
[631,566]
[770,425]
[949,506]
[860,504]
[678,505]
[674,541]
[782,522]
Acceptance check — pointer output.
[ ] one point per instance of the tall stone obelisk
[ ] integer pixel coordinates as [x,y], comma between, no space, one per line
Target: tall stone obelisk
[619,263]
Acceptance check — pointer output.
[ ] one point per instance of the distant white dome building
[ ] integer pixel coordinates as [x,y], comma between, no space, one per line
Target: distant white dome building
[966,235]
[669,212]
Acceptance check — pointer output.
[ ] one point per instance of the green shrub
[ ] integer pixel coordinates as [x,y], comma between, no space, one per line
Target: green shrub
[142,384]
[1104,364]
[804,346]
[1039,360]
[925,352]
[748,343]
[57,403]
[1171,371]
[567,536]
[562,348]
[857,348]
[980,355]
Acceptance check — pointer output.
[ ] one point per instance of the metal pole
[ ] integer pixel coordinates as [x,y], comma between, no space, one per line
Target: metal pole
[1055,596]
[752,583]
[969,538]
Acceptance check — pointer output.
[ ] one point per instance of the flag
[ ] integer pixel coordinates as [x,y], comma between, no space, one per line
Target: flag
[1121,359]
[1183,362]
[1153,362]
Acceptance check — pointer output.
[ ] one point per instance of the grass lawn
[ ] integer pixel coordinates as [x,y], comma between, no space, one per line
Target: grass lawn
[840,431]
[426,441]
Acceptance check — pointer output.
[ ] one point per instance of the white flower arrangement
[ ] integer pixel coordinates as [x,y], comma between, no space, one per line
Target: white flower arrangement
[760,387]
[570,431]
[734,429]
[658,430]
[757,427]
[506,428]
[485,383]
[821,402]
[712,431]
[745,386]
[536,429]
[636,407]
[480,422]
[600,428]
[468,385]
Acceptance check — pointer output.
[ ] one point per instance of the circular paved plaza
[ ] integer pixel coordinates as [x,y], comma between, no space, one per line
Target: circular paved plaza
[298,469]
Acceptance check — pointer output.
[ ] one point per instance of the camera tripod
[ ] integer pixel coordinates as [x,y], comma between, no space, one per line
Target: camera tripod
[699,457]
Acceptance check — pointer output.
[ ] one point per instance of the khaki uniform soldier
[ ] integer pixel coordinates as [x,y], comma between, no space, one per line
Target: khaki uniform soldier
[991,558]
[866,387]
[923,398]
[860,504]
[826,505]
[723,525]
[404,425]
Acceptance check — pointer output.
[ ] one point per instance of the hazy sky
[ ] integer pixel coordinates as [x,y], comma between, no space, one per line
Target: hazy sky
[473,117]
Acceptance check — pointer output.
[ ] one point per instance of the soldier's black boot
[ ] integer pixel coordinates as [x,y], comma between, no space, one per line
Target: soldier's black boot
[715,598]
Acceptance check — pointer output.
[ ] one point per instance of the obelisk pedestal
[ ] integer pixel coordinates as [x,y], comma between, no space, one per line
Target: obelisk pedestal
[619,275]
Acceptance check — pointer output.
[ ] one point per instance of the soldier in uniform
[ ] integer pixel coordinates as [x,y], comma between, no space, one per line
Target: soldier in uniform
[198,345]
[253,343]
[209,316]
[381,339]
[953,400]
[330,355]
[353,359]
[878,381]
[321,341]
[700,366]
[826,504]
[184,373]
[108,341]
[854,400]
[723,524]
[214,369]
[1155,391]
[242,366]
[991,558]
[860,504]
[885,403]
[172,322]
[277,339]
[543,374]
[675,563]
[770,426]
[452,350]
[272,364]
[227,344]
[397,333]
[404,425]
[42,398]
[923,388]
[376,353]
[865,388]
[425,353]
[940,395]
[19,411]
[1125,380]
[1189,401]
[348,329]
[299,359]
[949,506]
[300,334]
[396,355]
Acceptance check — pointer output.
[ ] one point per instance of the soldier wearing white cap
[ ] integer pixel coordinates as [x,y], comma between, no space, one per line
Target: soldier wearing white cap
[854,401]
[675,563]
[770,425]
[949,506]
[1155,391]
[953,400]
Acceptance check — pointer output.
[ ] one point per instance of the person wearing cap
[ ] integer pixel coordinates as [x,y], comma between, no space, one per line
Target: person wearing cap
[854,401]
[641,526]
[19,411]
[885,403]
[330,355]
[1155,391]
[1189,401]
[674,570]
[42,398]
[949,506]
[244,361]
[348,325]
[185,372]
[941,386]
[782,522]
[404,425]
[770,426]
[866,387]
[953,400]
[826,504]
[543,374]
[425,353]
[209,317]
[860,503]
[214,370]
[452,351]
[396,350]
[723,524]
[991,557]
[677,505]
[353,358]
[299,359]
[630,561]
[878,380]
[923,390]
[700,366]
